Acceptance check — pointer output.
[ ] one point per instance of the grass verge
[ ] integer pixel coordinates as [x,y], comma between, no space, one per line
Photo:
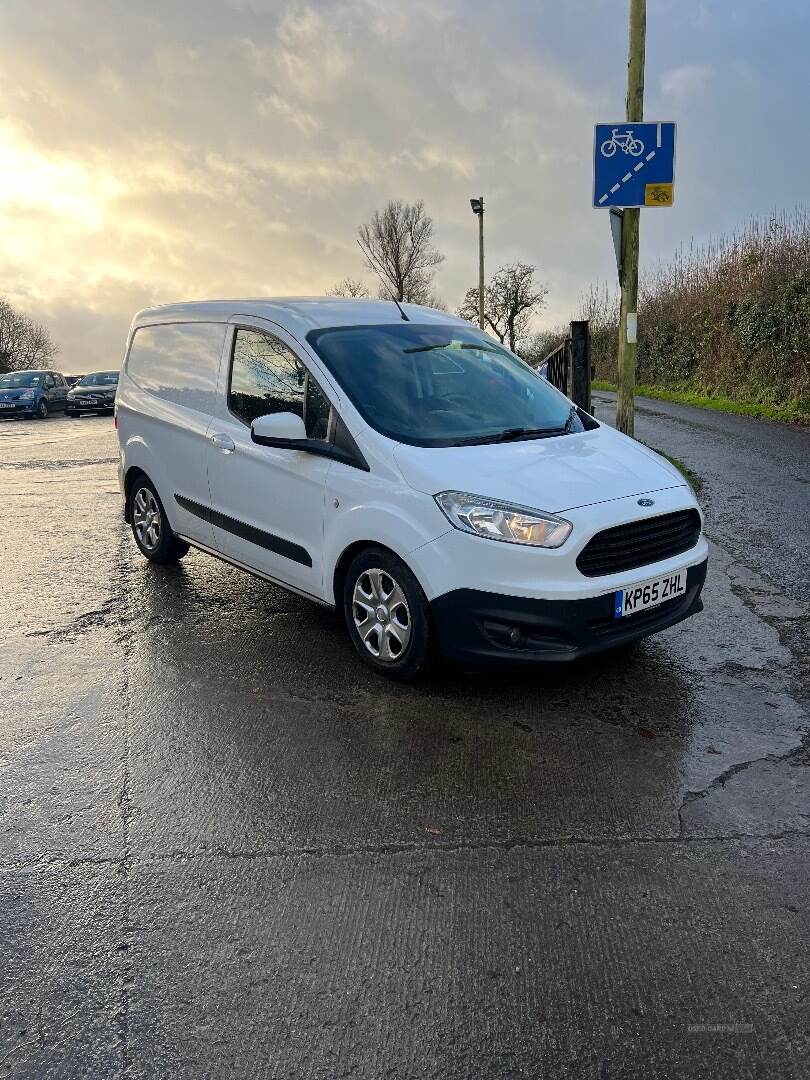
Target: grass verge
[793,412]
[685,471]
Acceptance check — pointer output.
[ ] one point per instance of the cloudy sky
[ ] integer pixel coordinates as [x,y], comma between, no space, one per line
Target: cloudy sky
[153,151]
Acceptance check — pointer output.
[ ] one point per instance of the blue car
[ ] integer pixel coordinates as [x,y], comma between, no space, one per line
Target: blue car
[32,393]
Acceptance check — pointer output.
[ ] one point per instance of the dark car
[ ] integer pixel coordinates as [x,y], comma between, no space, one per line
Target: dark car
[32,393]
[93,393]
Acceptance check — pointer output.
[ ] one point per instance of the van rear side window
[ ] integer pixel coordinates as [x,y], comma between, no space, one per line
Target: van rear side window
[178,362]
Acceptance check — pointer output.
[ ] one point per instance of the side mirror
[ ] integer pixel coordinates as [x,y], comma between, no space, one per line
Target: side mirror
[278,429]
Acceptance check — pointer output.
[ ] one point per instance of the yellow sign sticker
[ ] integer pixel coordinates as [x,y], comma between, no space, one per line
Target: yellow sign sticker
[658,195]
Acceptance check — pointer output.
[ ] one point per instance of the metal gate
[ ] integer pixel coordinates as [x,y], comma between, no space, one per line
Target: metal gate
[568,367]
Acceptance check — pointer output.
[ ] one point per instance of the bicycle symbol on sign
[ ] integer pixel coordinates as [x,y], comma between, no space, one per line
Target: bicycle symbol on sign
[626,142]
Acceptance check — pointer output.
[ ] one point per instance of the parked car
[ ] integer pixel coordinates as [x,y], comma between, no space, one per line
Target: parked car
[405,469]
[93,393]
[32,393]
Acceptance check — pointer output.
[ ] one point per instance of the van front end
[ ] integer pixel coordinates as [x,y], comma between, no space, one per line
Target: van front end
[621,575]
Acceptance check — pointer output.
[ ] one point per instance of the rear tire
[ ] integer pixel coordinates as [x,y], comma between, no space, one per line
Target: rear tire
[387,615]
[150,526]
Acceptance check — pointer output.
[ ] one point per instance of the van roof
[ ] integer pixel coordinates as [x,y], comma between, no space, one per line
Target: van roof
[301,313]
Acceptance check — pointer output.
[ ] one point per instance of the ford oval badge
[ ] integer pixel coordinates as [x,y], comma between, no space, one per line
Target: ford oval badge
[646,502]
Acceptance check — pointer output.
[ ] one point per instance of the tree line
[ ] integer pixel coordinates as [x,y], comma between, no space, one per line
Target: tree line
[728,317]
[398,248]
[24,343]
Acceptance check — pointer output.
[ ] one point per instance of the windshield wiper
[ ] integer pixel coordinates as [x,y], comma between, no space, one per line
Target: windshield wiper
[511,435]
[452,345]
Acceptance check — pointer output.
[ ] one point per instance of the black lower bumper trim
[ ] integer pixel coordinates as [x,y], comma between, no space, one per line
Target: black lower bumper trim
[480,625]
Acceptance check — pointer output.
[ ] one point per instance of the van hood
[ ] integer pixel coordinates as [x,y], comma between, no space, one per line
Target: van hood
[555,474]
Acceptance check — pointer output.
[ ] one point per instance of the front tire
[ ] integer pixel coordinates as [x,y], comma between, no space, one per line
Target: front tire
[42,410]
[150,526]
[387,614]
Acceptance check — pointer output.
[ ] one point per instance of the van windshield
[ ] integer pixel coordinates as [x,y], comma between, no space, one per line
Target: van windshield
[437,385]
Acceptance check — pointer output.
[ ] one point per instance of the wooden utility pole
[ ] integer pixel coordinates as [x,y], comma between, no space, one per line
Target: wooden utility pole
[629,301]
[481,263]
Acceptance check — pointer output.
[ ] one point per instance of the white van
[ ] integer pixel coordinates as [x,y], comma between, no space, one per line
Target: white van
[401,466]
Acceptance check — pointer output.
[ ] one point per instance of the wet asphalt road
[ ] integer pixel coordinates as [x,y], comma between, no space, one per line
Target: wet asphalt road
[228,850]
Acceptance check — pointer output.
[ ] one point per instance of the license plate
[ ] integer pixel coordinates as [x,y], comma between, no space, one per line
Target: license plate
[5,405]
[86,401]
[648,594]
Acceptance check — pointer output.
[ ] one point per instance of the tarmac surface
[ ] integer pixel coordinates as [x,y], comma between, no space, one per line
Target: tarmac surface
[227,849]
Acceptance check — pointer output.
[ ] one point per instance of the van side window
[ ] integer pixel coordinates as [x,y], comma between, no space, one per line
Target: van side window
[267,377]
[178,362]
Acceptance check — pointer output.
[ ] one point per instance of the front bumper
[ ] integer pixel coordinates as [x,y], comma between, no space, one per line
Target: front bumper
[96,407]
[475,625]
[20,408]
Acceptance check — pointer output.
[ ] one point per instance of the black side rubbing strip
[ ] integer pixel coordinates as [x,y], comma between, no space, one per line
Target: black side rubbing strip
[247,532]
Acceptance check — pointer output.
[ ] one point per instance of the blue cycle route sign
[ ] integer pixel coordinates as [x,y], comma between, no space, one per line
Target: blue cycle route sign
[633,164]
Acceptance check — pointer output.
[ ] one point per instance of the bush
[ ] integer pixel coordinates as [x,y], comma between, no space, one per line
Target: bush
[730,317]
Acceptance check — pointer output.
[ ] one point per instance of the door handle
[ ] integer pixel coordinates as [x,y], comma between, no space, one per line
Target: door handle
[223,443]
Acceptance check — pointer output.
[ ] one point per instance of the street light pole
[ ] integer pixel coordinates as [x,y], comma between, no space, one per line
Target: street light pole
[478,209]
[629,302]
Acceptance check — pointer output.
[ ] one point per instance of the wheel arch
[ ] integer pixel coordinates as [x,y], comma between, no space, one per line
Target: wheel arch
[351,551]
[138,458]
[133,473]
[345,560]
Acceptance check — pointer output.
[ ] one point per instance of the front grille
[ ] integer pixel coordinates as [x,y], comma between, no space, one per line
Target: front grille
[638,543]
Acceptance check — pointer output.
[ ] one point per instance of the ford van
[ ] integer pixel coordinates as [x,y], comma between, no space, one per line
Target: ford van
[398,465]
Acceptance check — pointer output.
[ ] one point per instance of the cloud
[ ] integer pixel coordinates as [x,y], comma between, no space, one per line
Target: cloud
[682,84]
[200,149]
[152,152]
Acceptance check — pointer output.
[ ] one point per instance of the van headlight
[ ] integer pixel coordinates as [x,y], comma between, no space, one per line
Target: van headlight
[503,520]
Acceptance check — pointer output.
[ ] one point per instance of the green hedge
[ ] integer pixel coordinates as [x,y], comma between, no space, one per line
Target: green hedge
[725,322]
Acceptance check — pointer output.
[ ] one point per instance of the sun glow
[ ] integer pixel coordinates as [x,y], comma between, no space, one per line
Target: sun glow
[54,185]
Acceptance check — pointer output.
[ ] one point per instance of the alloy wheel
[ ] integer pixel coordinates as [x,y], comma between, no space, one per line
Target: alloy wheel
[146,518]
[381,615]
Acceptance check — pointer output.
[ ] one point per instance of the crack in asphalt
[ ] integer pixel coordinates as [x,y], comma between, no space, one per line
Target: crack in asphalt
[82,623]
[56,466]
[407,847]
[799,755]
[791,630]
[125,805]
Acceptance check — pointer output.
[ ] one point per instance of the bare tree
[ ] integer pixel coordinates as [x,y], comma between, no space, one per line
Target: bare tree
[23,342]
[435,301]
[535,347]
[349,287]
[398,246]
[510,299]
